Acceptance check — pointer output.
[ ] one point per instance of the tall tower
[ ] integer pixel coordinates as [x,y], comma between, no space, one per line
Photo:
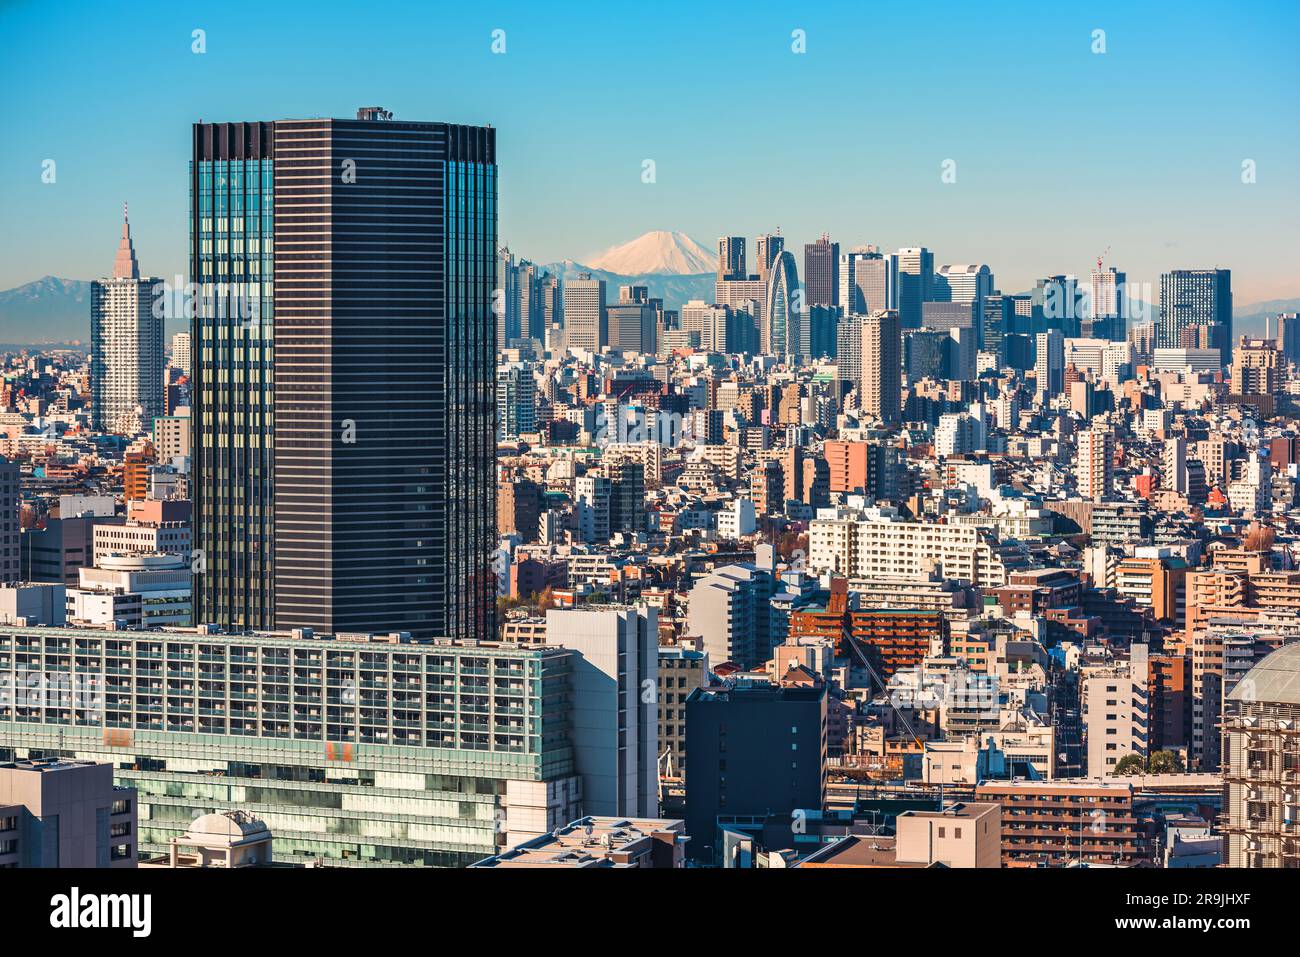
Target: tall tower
[781,319]
[586,323]
[731,258]
[915,278]
[766,250]
[1196,297]
[1049,364]
[880,392]
[344,375]
[821,272]
[126,345]
[507,305]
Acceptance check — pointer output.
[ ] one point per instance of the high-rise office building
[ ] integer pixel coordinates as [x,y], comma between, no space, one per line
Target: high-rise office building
[782,318]
[586,323]
[344,386]
[947,316]
[963,283]
[506,299]
[914,271]
[712,323]
[1288,336]
[820,332]
[997,311]
[1049,363]
[849,296]
[126,345]
[868,281]
[552,302]
[880,385]
[632,325]
[531,308]
[1195,297]
[731,258]
[821,272]
[1059,303]
[927,354]
[767,248]
[876,277]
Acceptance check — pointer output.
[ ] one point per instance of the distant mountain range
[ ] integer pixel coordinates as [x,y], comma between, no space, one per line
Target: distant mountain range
[1250,319]
[49,310]
[54,311]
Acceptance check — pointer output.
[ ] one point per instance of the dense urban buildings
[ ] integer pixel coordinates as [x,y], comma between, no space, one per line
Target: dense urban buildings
[413,551]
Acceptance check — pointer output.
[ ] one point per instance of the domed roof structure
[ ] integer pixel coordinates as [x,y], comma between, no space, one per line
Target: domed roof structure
[1276,679]
[225,829]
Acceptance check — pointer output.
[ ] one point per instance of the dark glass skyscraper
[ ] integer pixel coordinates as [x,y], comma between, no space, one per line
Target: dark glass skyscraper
[1196,297]
[345,438]
[821,272]
[232,238]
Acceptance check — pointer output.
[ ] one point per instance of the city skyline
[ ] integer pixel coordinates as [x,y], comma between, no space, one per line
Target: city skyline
[960,530]
[1025,202]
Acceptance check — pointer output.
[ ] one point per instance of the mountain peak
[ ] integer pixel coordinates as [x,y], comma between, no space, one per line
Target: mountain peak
[658,251]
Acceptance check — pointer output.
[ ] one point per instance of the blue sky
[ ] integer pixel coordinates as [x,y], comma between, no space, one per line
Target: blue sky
[1060,152]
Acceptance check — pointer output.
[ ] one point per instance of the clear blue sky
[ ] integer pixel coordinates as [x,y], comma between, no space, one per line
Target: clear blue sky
[1059,152]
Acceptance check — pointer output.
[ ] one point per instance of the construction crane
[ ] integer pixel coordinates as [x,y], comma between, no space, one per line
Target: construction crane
[1102,257]
[884,687]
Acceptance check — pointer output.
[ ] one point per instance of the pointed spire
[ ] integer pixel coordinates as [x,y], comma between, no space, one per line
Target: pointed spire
[125,265]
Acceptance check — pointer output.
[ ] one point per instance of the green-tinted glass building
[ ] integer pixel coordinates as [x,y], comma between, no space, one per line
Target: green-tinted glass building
[375,752]
[344,375]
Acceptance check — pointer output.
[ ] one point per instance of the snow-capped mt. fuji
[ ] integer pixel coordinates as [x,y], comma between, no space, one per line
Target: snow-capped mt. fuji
[657,252]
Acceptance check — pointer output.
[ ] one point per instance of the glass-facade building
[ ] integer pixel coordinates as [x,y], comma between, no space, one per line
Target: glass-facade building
[232,249]
[379,752]
[345,434]
[1196,297]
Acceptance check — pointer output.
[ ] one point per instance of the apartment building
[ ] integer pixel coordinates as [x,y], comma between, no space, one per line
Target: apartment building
[1059,823]
[1116,710]
[353,749]
[880,544]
